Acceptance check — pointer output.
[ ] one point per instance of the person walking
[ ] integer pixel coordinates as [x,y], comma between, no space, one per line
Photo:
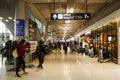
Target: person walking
[40,51]
[65,47]
[20,59]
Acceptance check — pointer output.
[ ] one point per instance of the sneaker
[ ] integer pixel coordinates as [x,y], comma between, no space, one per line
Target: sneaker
[41,67]
[38,66]
[17,75]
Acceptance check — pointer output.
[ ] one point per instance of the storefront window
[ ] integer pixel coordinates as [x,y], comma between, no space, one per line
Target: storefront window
[4,34]
[106,38]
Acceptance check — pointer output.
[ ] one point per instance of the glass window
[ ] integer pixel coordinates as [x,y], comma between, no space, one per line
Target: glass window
[4,34]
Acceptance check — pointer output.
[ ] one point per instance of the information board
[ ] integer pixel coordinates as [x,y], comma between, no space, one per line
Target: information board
[20,27]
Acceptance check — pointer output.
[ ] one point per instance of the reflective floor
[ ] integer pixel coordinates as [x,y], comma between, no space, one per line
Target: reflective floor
[58,66]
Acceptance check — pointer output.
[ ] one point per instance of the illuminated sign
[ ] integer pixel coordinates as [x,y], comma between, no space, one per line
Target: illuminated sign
[20,27]
[70,16]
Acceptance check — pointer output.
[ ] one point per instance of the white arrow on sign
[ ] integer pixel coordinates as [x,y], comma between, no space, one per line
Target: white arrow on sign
[86,16]
[54,16]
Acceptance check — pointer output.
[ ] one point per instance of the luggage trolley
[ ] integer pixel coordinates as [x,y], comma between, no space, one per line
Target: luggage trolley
[103,56]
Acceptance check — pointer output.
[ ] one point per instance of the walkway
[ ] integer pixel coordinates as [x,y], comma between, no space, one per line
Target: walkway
[58,66]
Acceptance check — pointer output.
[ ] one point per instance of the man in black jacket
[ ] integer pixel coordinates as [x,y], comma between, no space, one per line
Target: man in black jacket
[65,47]
[40,51]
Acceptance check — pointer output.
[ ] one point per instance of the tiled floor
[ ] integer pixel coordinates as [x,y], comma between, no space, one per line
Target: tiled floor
[58,66]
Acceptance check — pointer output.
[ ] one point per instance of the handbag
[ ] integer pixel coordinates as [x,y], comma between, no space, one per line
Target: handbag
[14,53]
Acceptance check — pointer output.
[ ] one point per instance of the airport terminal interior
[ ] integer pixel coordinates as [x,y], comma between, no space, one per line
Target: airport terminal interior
[62,39]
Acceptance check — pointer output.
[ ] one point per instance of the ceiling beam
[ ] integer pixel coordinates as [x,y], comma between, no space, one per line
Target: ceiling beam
[92,1]
[104,12]
[36,13]
[45,1]
[100,15]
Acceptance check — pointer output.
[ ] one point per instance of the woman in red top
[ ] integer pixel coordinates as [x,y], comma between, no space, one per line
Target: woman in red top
[20,59]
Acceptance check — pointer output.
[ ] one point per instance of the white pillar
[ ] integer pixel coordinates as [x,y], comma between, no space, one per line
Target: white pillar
[46,34]
[20,9]
[19,26]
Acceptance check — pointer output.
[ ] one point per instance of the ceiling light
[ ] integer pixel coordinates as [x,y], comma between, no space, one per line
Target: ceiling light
[88,32]
[6,20]
[70,10]
[14,20]
[67,21]
[10,18]
[66,28]
[1,18]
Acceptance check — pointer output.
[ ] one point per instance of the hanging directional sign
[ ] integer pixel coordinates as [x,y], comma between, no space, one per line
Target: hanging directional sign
[70,16]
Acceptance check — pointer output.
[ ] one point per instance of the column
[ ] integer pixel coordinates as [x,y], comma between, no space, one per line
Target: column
[118,39]
[46,34]
[19,26]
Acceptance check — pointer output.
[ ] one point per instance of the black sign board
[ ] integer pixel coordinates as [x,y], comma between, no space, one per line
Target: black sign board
[70,16]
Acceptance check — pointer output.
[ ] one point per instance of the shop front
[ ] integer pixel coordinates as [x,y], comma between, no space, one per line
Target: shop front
[104,37]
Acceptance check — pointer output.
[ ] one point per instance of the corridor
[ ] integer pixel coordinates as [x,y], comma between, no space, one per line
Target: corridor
[58,66]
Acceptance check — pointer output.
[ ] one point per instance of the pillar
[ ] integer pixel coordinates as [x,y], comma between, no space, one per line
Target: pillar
[19,26]
[46,34]
[118,39]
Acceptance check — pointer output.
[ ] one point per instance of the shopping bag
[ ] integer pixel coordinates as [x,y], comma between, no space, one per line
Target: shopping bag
[15,54]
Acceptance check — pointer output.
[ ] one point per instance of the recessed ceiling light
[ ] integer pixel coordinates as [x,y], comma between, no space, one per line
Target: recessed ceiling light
[6,20]
[1,18]
[10,18]
[70,10]
[14,20]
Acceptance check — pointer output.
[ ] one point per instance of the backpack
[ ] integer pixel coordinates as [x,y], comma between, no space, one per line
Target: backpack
[13,48]
[13,45]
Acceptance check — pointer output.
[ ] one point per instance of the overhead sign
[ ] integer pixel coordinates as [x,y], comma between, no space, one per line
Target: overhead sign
[20,27]
[70,16]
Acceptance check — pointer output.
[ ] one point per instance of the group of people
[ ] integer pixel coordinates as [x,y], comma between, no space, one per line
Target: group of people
[73,46]
[20,46]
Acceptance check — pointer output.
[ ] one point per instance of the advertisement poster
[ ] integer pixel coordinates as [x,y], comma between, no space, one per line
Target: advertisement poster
[32,30]
[20,27]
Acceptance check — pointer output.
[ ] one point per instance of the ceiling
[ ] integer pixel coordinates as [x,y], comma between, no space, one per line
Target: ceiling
[6,9]
[42,10]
